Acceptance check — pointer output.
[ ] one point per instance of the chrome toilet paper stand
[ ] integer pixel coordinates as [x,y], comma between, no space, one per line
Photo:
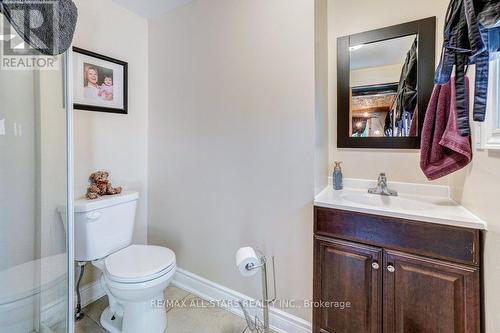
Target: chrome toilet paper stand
[254,324]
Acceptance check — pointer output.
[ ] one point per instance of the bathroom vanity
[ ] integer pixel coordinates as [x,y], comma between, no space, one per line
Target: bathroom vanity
[402,264]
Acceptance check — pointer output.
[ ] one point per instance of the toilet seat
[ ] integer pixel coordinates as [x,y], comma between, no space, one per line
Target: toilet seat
[139,263]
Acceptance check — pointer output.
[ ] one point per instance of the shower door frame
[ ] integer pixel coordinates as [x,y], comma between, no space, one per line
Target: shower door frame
[68,103]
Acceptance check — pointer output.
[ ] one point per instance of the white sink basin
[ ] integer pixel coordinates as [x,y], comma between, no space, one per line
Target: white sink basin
[420,202]
[384,201]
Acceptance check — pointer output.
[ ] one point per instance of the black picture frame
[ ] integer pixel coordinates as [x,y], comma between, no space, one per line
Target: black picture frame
[87,107]
[426,31]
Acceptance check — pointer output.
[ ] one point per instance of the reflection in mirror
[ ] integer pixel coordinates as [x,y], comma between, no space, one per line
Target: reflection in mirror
[383,86]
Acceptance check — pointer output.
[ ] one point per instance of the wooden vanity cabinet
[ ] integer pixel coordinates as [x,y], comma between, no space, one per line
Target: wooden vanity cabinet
[393,287]
[344,272]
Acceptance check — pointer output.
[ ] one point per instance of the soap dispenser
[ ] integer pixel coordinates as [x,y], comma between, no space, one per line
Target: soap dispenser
[337,177]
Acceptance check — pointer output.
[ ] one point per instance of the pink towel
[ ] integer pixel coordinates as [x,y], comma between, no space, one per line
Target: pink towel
[443,150]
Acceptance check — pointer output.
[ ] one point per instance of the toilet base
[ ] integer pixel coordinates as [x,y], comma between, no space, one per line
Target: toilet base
[150,319]
[110,325]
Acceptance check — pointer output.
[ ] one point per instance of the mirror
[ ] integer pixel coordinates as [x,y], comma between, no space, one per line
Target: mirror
[383,82]
[383,77]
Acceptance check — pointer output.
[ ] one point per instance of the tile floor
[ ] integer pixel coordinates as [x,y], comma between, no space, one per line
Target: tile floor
[185,319]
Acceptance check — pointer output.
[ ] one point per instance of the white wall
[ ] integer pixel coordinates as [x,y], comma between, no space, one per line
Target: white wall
[346,18]
[115,142]
[231,138]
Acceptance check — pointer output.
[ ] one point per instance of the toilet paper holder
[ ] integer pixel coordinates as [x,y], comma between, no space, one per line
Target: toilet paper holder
[255,325]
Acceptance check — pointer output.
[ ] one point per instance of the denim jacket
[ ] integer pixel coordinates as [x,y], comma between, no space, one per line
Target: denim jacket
[489,12]
[467,41]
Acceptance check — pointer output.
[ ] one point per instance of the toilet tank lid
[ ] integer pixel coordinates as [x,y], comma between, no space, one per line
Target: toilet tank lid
[85,205]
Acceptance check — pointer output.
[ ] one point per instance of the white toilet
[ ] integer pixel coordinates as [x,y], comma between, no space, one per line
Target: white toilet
[134,276]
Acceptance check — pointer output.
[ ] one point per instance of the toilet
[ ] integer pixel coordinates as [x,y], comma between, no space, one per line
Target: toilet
[134,277]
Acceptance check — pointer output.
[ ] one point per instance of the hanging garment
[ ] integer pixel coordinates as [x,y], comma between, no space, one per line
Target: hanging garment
[462,39]
[469,38]
[388,128]
[489,12]
[482,62]
[56,22]
[443,149]
[494,42]
[406,95]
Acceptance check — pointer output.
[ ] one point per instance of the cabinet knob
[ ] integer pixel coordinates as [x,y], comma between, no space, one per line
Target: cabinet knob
[391,268]
[375,265]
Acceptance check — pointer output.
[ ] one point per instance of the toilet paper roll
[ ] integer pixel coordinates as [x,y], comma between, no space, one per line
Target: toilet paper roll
[244,257]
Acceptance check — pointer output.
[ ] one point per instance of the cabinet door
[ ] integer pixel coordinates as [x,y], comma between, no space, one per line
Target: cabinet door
[348,280]
[429,296]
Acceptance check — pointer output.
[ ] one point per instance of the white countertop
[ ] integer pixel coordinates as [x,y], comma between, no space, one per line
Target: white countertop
[426,203]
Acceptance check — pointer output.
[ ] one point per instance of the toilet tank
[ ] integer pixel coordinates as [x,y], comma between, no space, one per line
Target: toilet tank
[104,225]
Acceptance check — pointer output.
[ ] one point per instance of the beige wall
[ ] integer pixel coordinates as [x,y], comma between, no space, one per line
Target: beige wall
[231,137]
[376,75]
[348,17]
[231,131]
[114,142]
[477,187]
[321,142]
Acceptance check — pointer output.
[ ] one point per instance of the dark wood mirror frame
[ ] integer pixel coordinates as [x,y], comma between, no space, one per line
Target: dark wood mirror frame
[426,31]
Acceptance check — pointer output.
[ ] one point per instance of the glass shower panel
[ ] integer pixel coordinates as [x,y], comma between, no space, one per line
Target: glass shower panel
[33,176]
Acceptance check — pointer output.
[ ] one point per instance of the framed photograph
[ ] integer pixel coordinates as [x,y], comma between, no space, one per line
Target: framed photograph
[99,82]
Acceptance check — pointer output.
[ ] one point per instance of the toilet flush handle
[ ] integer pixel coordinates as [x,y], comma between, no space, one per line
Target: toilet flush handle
[92,216]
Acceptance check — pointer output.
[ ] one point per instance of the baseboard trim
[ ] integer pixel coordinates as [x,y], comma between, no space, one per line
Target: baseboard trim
[54,312]
[91,292]
[280,321]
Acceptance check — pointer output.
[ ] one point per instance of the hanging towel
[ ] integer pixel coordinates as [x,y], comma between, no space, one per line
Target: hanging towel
[443,149]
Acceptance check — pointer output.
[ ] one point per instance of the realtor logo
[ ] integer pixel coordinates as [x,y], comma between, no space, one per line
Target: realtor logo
[35,21]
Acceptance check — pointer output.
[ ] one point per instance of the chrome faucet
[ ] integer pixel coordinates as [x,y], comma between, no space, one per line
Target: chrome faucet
[382,188]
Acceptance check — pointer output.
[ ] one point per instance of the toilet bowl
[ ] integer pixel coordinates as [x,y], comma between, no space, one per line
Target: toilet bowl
[134,277]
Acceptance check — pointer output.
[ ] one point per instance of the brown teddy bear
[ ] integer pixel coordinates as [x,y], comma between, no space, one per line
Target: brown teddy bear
[100,185]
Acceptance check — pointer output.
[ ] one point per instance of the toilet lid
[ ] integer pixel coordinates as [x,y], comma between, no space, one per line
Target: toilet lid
[138,263]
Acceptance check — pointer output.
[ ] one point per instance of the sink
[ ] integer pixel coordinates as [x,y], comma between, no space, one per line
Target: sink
[382,201]
[419,202]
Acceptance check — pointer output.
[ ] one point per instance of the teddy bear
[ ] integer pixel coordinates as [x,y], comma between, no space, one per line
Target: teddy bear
[100,185]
